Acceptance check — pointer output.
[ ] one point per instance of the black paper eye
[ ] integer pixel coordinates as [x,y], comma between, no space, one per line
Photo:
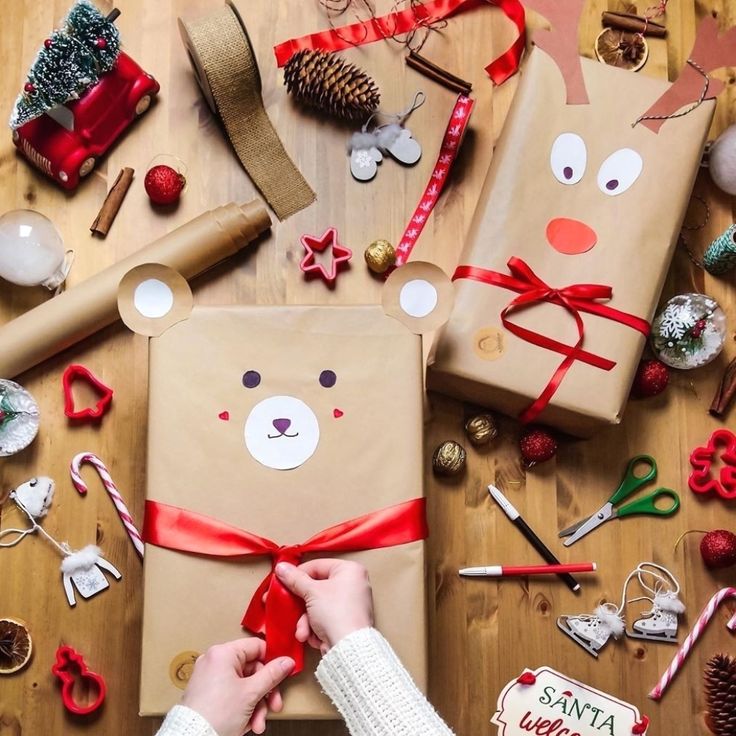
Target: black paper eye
[251,379]
[327,379]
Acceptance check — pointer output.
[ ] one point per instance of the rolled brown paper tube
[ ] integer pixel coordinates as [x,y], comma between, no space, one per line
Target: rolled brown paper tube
[82,310]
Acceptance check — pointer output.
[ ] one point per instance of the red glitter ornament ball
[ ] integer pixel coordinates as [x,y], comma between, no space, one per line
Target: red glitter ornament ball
[48,43]
[537,446]
[163,184]
[651,378]
[718,548]
[29,87]
[101,43]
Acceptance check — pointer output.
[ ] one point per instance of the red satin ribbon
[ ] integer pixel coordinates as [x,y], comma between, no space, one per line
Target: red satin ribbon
[275,619]
[405,21]
[575,299]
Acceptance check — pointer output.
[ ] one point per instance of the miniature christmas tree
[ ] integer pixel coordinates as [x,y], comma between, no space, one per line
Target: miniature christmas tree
[70,62]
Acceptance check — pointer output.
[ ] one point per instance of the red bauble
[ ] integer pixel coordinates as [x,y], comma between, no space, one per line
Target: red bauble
[48,43]
[537,445]
[651,378]
[101,43]
[718,548]
[163,184]
[29,87]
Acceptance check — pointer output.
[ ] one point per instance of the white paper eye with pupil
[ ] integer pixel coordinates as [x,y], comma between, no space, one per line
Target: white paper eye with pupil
[619,171]
[568,158]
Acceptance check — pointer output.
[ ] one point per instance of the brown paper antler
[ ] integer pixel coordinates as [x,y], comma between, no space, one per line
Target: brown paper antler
[561,43]
[694,85]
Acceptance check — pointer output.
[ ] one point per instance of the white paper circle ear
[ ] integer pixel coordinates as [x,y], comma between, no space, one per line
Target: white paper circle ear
[419,295]
[152,298]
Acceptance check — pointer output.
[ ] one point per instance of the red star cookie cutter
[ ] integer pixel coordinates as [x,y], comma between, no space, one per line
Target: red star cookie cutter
[74,372]
[70,667]
[702,459]
[313,244]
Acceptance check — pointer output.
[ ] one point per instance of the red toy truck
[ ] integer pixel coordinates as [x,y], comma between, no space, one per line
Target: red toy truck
[66,142]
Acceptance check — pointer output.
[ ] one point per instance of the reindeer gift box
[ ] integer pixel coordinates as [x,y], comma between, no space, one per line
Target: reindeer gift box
[575,229]
[301,424]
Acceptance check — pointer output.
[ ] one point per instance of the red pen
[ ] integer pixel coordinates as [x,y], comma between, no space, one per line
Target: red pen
[504,571]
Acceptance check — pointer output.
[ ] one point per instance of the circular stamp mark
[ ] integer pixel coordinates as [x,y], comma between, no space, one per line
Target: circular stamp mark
[488,343]
[181,667]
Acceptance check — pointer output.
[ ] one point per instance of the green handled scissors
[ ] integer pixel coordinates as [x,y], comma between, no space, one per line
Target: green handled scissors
[630,483]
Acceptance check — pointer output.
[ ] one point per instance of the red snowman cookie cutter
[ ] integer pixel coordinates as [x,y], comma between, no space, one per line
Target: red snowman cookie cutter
[70,667]
[702,459]
[91,412]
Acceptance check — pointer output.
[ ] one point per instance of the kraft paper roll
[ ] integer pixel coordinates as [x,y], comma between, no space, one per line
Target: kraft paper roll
[225,66]
[84,309]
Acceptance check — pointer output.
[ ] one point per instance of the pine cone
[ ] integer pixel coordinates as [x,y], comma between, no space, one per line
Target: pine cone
[330,84]
[720,694]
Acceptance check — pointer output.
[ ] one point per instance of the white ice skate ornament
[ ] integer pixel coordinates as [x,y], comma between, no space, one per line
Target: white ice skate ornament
[547,702]
[592,631]
[662,591]
[84,569]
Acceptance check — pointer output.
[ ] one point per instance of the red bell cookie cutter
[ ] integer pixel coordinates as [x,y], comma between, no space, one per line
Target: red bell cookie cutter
[103,403]
[70,667]
[338,253]
[701,480]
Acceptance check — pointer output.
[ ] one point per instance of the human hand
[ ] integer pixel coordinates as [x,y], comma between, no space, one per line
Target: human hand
[338,597]
[232,688]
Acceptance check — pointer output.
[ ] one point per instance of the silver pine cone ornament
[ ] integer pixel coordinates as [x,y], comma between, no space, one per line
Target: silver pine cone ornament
[330,84]
[720,694]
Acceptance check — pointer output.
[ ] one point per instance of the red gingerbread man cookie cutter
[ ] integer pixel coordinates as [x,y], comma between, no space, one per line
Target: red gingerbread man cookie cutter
[703,458]
[70,667]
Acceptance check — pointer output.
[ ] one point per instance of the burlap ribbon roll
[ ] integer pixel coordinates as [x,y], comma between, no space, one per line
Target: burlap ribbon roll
[225,66]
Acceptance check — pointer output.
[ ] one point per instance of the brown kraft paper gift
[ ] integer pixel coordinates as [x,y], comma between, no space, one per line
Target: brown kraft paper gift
[636,230]
[368,456]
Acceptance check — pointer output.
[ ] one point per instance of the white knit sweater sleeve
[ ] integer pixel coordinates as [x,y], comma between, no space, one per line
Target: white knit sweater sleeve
[183,721]
[373,692]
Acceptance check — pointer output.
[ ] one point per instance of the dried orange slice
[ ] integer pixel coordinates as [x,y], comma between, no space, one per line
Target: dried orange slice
[621,49]
[16,646]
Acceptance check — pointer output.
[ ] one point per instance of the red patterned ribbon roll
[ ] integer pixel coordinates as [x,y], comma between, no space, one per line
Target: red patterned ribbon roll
[448,152]
[575,299]
[405,21]
[275,619]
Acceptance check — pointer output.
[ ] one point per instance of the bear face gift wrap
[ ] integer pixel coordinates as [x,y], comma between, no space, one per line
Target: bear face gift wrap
[278,433]
[574,231]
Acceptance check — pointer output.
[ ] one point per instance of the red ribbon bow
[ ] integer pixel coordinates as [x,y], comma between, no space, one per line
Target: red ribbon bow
[575,299]
[275,618]
[405,21]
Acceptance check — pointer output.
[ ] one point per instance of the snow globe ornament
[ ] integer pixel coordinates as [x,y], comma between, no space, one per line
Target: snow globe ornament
[19,418]
[689,332]
[31,250]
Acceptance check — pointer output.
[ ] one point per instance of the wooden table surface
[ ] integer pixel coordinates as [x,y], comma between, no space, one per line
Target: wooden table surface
[482,633]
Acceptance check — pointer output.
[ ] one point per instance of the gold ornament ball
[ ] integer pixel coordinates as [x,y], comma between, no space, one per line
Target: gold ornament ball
[449,458]
[481,429]
[380,256]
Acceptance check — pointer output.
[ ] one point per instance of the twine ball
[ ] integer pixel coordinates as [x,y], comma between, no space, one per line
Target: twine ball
[449,458]
[481,429]
[380,255]
[722,161]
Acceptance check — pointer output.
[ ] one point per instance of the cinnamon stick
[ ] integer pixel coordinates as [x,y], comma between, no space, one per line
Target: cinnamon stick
[726,391]
[633,23]
[438,74]
[113,200]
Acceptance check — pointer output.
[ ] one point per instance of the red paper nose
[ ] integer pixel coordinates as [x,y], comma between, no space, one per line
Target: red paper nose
[570,236]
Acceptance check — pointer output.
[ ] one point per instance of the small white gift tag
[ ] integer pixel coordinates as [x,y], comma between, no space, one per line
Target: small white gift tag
[83,570]
[363,162]
[405,148]
[544,702]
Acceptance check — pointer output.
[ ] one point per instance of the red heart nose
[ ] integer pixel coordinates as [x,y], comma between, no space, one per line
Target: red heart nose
[282,425]
[570,237]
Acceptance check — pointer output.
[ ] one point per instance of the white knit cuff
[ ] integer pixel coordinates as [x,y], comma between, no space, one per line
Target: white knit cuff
[183,721]
[373,692]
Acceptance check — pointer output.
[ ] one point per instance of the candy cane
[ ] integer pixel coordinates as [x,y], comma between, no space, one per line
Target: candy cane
[111,488]
[693,636]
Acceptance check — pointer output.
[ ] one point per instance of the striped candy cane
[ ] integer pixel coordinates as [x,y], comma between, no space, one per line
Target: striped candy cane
[693,636]
[111,488]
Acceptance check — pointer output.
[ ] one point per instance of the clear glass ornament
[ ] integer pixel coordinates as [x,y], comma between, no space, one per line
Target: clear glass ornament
[689,332]
[19,418]
[31,250]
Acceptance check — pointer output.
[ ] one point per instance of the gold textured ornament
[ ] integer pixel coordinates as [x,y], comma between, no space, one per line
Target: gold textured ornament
[481,429]
[449,458]
[380,255]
